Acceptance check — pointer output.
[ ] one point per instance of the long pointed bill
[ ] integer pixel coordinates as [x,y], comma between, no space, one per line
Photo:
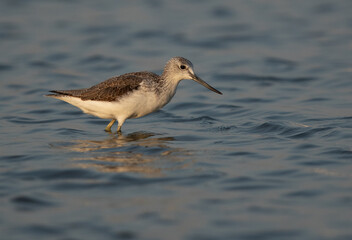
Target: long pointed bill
[200,81]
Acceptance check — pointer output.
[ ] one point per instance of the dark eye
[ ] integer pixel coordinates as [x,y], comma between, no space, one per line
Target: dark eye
[183,67]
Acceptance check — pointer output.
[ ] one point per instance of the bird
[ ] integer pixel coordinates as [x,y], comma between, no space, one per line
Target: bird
[131,95]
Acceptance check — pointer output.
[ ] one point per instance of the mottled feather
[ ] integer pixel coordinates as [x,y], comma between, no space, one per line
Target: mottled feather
[113,88]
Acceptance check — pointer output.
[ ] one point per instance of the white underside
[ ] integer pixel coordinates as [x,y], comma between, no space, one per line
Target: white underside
[137,104]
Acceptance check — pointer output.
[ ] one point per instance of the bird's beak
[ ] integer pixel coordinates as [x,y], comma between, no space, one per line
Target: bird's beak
[200,81]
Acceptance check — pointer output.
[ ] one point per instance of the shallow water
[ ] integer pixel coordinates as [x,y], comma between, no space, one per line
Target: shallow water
[269,159]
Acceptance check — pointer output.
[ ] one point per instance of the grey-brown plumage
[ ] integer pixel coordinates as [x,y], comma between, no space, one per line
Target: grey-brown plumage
[131,95]
[112,89]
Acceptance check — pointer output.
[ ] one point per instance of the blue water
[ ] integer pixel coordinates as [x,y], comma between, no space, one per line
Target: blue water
[269,159]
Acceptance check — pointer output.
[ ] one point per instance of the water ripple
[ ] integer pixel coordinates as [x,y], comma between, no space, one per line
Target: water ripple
[281,64]
[269,127]
[5,67]
[102,63]
[26,120]
[304,194]
[10,31]
[42,230]
[124,180]
[27,203]
[255,78]
[52,174]
[284,129]
[340,153]
[272,235]
[310,132]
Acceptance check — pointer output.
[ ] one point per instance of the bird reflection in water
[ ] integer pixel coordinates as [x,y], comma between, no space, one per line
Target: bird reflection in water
[138,152]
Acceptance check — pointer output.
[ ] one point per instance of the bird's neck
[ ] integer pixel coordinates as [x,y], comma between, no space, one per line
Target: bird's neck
[170,82]
[168,87]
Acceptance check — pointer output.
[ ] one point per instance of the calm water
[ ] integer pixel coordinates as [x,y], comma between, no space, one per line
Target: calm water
[269,159]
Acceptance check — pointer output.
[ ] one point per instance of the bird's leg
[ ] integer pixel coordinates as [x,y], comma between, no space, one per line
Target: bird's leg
[121,121]
[119,128]
[108,127]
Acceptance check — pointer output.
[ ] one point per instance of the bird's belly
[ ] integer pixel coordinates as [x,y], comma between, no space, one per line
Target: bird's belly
[100,109]
[134,105]
[142,103]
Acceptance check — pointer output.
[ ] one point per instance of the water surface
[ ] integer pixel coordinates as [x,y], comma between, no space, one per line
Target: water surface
[269,159]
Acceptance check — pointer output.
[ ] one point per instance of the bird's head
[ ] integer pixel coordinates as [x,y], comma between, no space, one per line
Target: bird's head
[179,68]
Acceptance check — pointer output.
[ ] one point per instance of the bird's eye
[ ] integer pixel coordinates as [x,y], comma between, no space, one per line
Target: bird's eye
[183,67]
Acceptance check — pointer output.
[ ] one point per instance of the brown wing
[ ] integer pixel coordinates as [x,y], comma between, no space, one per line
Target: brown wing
[111,89]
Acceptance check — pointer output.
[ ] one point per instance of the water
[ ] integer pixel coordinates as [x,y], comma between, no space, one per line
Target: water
[269,159]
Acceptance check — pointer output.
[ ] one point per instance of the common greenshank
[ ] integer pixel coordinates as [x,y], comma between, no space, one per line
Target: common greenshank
[131,95]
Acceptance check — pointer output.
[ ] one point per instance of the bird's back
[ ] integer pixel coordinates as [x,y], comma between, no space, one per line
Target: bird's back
[111,89]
